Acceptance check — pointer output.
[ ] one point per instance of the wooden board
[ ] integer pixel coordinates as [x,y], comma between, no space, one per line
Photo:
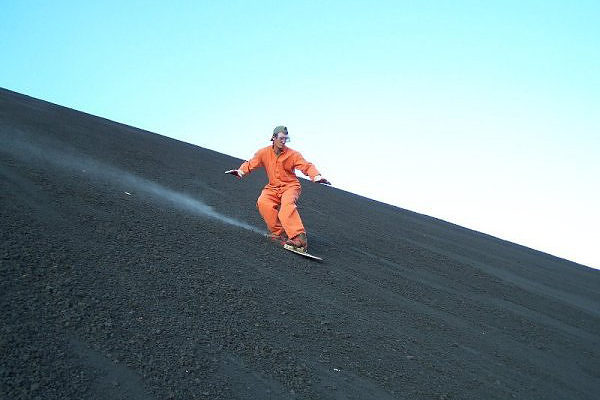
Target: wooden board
[302,253]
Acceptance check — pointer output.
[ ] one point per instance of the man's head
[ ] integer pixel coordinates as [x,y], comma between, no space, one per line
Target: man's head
[280,137]
[279,129]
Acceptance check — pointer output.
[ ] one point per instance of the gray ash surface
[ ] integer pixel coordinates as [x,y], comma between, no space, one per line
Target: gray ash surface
[133,268]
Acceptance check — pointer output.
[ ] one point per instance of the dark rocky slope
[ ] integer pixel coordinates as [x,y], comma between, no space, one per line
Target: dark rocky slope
[131,268]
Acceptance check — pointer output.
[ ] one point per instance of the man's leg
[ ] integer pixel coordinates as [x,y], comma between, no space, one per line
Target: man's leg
[288,212]
[268,207]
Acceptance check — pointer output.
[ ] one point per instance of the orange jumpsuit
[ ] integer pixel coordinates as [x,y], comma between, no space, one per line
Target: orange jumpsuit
[277,202]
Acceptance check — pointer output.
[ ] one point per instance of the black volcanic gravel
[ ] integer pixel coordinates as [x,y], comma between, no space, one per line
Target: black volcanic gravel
[133,268]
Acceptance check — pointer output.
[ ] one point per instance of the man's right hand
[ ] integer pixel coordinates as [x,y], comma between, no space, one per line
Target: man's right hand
[235,172]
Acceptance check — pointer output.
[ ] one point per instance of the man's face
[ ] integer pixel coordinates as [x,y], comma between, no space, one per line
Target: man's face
[280,140]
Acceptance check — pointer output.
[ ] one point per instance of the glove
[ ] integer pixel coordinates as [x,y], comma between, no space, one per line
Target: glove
[235,172]
[321,180]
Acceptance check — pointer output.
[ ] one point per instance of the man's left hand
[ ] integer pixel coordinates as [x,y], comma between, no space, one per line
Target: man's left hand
[321,180]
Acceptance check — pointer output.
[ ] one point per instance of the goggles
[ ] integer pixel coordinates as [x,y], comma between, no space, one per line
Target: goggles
[283,138]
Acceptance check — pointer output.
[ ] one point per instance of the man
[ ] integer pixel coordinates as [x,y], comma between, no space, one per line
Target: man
[277,202]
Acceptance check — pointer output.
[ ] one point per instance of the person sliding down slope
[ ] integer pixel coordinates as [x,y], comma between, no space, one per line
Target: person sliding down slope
[277,202]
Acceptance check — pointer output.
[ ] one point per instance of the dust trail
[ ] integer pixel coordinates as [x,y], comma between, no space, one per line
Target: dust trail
[181,200]
[21,146]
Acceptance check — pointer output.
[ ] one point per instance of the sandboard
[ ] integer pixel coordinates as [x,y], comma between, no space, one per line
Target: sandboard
[302,253]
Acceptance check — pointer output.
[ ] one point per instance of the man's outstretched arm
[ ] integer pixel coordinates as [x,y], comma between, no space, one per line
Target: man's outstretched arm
[247,166]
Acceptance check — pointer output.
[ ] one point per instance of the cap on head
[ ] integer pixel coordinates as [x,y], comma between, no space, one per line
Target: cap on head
[278,129]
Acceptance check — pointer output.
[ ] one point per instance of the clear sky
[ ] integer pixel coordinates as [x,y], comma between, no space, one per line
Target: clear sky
[484,114]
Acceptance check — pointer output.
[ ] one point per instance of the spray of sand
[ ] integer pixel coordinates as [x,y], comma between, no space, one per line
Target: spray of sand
[21,146]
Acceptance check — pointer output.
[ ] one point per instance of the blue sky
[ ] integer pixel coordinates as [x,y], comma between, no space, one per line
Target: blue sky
[484,114]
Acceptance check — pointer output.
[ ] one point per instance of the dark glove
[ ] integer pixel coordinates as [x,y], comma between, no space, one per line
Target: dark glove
[321,180]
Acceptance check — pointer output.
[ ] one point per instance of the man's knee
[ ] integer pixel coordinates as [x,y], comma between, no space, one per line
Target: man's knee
[264,203]
[288,205]
[288,209]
